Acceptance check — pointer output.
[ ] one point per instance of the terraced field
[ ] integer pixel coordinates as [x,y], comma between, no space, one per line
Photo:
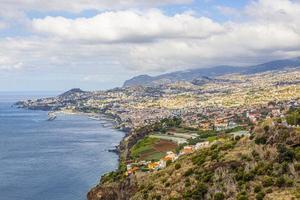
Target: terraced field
[151,148]
[178,135]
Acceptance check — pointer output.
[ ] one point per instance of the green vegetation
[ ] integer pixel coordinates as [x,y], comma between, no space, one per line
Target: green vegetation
[177,166]
[151,148]
[241,169]
[142,146]
[205,134]
[260,196]
[219,196]
[293,118]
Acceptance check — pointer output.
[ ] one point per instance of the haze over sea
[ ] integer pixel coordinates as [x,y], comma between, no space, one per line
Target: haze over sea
[55,160]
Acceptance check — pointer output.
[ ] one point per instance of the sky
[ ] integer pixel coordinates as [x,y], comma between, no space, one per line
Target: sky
[55,45]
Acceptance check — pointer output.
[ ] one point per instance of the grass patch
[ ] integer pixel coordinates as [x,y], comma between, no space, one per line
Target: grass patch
[212,138]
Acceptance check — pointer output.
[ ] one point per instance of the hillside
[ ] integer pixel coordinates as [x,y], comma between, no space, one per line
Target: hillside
[190,75]
[265,165]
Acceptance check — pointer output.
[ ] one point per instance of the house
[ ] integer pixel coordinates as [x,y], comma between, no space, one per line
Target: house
[221,126]
[200,145]
[163,162]
[169,156]
[129,167]
[153,165]
[187,150]
[205,125]
[232,125]
[131,171]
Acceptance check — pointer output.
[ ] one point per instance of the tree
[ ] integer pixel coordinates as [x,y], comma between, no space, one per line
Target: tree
[199,191]
[219,196]
[177,166]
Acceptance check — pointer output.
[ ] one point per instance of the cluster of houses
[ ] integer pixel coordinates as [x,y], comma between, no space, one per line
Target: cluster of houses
[220,119]
[223,122]
[163,162]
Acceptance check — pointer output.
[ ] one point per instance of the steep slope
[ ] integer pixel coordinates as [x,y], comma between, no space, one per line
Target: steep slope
[264,166]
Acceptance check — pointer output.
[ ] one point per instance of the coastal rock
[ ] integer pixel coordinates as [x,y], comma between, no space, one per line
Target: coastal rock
[122,190]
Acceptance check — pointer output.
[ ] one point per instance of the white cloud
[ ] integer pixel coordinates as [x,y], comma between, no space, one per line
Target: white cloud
[152,41]
[274,10]
[128,26]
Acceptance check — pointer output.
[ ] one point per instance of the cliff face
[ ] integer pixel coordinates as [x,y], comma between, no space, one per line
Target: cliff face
[123,189]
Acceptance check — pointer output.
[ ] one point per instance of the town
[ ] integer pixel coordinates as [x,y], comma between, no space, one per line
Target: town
[169,124]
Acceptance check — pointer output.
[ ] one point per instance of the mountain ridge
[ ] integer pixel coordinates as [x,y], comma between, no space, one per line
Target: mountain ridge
[192,74]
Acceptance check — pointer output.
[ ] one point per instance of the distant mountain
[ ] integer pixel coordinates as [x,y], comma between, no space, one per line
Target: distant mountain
[203,73]
[274,65]
[72,92]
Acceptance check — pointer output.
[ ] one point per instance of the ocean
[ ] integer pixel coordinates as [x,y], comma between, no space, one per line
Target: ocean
[51,160]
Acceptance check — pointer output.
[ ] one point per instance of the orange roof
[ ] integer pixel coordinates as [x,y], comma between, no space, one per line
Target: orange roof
[188,147]
[166,158]
[135,168]
[153,165]
[187,151]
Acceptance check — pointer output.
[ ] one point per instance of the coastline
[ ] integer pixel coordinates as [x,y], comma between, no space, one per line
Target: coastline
[98,117]
[121,149]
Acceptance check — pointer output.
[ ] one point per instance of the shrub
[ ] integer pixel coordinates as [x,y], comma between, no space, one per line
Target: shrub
[289,182]
[167,184]
[150,187]
[242,196]
[280,181]
[284,167]
[158,197]
[297,153]
[285,154]
[199,159]
[269,190]
[215,155]
[201,189]
[219,196]
[266,128]
[263,168]
[189,172]
[267,181]
[241,175]
[177,166]
[248,176]
[255,154]
[168,163]
[145,196]
[260,196]
[257,188]
[293,118]
[297,166]
[207,177]
[187,184]
[261,140]
[227,146]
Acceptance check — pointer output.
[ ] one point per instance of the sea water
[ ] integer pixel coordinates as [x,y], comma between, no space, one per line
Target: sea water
[51,160]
